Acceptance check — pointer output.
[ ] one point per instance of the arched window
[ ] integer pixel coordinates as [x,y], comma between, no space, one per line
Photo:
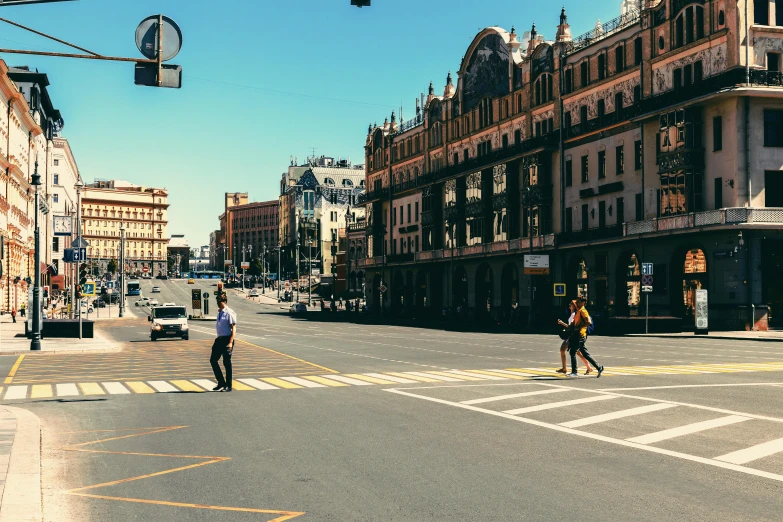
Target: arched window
[329,182]
[689,25]
[519,102]
[347,183]
[543,88]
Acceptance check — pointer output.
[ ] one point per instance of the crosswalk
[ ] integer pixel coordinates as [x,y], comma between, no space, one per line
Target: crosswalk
[126,387]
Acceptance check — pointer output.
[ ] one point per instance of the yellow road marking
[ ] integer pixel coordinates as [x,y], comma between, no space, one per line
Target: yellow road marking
[327,382]
[40,391]
[504,375]
[10,378]
[236,385]
[373,380]
[91,388]
[290,356]
[456,376]
[412,377]
[280,382]
[187,386]
[139,387]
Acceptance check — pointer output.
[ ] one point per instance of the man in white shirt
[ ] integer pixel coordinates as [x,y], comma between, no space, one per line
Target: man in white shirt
[226,326]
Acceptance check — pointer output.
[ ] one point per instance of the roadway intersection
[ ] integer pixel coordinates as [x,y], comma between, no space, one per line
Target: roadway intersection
[365,422]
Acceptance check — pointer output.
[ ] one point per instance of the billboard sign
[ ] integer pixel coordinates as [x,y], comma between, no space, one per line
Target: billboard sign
[536,264]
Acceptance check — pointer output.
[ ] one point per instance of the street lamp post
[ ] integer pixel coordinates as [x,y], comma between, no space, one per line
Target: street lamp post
[35,343]
[263,261]
[279,255]
[79,186]
[122,269]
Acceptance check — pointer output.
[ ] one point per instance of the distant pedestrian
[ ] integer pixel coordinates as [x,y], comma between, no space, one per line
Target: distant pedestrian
[579,337]
[223,346]
[22,309]
[13,315]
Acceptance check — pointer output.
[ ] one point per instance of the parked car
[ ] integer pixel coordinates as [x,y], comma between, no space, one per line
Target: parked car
[297,308]
[144,301]
[161,276]
[155,289]
[191,281]
[99,303]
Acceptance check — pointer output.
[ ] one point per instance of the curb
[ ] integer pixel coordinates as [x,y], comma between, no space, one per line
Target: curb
[718,337]
[22,501]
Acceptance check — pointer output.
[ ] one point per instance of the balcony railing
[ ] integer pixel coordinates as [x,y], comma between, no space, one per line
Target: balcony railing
[411,124]
[724,216]
[606,30]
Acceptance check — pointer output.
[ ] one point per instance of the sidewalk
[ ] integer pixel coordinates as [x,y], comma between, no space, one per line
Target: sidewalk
[773,336]
[20,466]
[13,341]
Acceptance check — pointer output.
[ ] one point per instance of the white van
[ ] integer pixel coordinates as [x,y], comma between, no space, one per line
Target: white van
[168,321]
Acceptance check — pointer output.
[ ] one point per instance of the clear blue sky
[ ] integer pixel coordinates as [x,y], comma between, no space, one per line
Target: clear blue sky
[230,128]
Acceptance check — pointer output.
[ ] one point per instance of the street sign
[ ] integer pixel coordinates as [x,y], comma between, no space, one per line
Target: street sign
[382,288]
[244,265]
[145,269]
[146,74]
[80,242]
[647,269]
[147,38]
[560,289]
[110,285]
[647,283]
[74,255]
[536,264]
[88,288]
[227,262]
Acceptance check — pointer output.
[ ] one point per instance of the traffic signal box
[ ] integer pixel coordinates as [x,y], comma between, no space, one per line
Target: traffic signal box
[219,290]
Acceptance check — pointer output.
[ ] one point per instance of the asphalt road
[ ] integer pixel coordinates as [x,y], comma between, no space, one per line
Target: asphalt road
[680,430]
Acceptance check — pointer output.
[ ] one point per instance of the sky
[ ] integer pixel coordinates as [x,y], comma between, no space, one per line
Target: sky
[263,80]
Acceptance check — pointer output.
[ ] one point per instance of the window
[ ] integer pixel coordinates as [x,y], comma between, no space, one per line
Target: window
[601,66]
[417,212]
[778,15]
[393,217]
[505,141]
[773,59]
[717,133]
[56,179]
[517,137]
[56,163]
[417,243]
[698,72]
[55,244]
[584,73]
[718,193]
[677,81]
[721,18]
[568,173]
[619,158]
[601,164]
[456,158]
[761,12]
[465,155]
[583,116]
[773,128]
[55,198]
[639,208]
[585,174]
[619,59]
[637,51]
[409,212]
[569,220]
[637,155]
[569,80]
[601,109]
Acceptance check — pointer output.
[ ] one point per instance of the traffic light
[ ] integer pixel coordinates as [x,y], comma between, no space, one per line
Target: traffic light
[82,274]
[219,290]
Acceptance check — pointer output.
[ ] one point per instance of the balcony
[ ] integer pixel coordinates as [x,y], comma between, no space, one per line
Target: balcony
[708,218]
[604,31]
[606,120]
[372,195]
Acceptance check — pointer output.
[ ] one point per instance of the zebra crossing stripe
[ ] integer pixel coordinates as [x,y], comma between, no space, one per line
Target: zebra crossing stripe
[67,390]
[303,382]
[139,387]
[323,380]
[162,386]
[255,383]
[187,386]
[16,392]
[115,388]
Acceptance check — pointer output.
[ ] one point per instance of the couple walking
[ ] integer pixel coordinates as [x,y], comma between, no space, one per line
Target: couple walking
[575,337]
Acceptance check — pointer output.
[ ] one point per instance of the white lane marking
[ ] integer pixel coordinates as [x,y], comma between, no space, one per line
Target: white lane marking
[67,390]
[561,404]
[115,388]
[594,436]
[595,419]
[435,377]
[510,372]
[162,386]
[303,382]
[16,392]
[259,385]
[479,375]
[691,386]
[688,429]
[206,383]
[515,395]
[391,378]
[756,452]
[347,380]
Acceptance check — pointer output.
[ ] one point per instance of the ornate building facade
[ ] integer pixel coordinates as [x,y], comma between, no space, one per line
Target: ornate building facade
[654,138]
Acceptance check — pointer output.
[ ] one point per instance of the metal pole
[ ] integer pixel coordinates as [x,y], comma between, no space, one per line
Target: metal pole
[263,260]
[297,264]
[79,242]
[73,273]
[530,315]
[279,259]
[646,312]
[243,268]
[35,344]
[122,269]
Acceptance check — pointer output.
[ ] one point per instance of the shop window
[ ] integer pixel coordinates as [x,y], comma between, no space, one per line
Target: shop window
[637,51]
[581,280]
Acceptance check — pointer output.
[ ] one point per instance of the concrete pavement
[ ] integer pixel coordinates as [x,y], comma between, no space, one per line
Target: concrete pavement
[20,466]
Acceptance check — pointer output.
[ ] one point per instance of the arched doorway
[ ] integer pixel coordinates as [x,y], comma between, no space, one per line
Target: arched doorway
[359,281]
[509,287]
[576,278]
[628,288]
[485,281]
[398,292]
[694,270]
[459,289]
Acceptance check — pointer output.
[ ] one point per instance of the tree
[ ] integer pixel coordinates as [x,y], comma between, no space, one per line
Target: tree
[112,266]
[256,268]
[171,264]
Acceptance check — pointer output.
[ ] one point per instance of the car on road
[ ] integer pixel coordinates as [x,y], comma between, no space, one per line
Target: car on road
[168,321]
[99,303]
[153,302]
[155,289]
[297,308]
[144,301]
[161,276]
[191,281]
[253,293]
[86,307]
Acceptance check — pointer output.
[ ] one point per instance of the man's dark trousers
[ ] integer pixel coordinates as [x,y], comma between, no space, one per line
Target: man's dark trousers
[577,344]
[220,349]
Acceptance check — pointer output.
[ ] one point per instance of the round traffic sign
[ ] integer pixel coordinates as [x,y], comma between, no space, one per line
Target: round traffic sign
[206,295]
[147,38]
[145,269]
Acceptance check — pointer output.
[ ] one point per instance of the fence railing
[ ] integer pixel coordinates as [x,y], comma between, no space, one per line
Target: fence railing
[724,216]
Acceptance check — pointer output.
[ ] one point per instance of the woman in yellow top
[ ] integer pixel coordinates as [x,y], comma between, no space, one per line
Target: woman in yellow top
[564,345]
[579,337]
